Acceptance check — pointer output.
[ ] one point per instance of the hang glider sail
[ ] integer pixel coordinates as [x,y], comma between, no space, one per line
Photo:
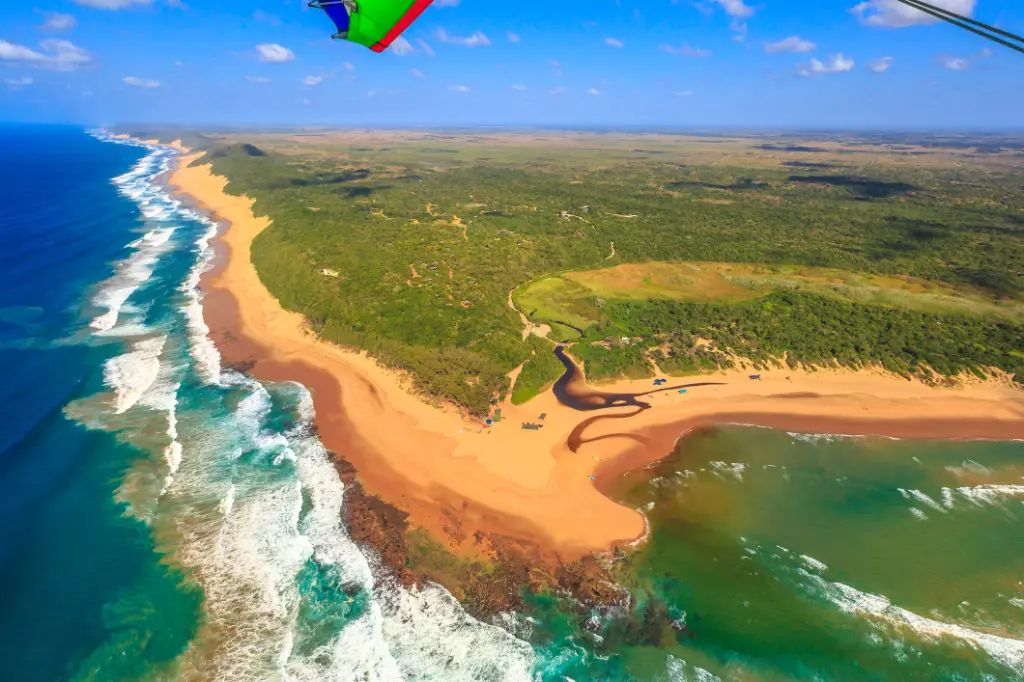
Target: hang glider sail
[373,23]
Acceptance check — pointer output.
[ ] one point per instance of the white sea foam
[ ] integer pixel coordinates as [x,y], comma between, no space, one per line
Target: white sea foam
[1008,651]
[921,497]
[202,347]
[981,495]
[132,272]
[681,671]
[731,469]
[918,514]
[821,437]
[131,375]
[814,563]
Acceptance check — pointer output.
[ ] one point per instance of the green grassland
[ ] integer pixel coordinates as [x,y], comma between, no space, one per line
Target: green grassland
[430,231]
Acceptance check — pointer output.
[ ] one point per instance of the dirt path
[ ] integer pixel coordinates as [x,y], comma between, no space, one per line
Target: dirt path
[612,254]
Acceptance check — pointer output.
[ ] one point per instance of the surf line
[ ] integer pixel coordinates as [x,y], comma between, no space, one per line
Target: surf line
[572,391]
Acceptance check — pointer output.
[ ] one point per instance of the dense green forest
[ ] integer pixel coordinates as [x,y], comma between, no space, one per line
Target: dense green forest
[430,233]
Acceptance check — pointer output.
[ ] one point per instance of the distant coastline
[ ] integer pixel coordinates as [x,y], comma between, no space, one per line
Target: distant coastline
[455,478]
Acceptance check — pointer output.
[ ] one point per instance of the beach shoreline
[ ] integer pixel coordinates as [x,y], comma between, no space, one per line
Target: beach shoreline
[457,480]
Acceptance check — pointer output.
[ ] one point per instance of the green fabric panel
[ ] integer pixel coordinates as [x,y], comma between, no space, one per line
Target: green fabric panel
[375,18]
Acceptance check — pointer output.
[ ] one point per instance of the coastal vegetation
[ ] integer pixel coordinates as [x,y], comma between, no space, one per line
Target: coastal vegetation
[647,252]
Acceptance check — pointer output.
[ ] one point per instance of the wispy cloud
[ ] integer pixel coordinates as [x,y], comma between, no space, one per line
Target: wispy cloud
[952,63]
[446,3]
[427,49]
[144,83]
[835,63]
[402,47]
[880,65]
[417,73]
[347,66]
[736,8]
[257,79]
[520,88]
[684,93]
[513,37]
[593,92]
[478,39]
[55,22]
[56,55]
[459,88]
[790,44]
[612,42]
[685,50]
[272,53]
[19,82]
[310,81]
[558,91]
[895,14]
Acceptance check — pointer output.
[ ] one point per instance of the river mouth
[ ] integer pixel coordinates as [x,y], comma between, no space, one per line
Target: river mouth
[572,390]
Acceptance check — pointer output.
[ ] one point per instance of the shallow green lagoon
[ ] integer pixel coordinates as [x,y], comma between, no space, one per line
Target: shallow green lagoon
[776,556]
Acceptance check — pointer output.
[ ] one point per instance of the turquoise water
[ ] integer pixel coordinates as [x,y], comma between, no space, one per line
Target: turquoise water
[169,519]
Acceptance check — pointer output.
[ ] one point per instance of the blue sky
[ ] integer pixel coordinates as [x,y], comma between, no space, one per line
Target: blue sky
[704,63]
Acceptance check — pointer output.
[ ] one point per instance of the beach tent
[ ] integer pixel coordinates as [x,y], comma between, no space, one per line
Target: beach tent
[373,23]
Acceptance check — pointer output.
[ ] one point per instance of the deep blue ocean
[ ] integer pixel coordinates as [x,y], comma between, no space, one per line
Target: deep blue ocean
[164,518]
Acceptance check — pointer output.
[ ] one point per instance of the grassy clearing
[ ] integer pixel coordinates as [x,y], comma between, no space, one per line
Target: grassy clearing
[576,297]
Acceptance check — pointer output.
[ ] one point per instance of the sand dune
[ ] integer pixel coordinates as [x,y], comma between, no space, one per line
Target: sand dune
[454,477]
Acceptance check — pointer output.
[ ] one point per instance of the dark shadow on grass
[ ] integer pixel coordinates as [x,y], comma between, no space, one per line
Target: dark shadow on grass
[867,188]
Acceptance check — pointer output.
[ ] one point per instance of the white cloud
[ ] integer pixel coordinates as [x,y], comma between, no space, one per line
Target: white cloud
[417,73]
[895,14]
[144,83]
[558,91]
[476,40]
[881,65]
[520,88]
[427,49]
[257,79]
[736,8]
[612,42]
[312,80]
[835,63]
[272,53]
[401,47]
[55,22]
[685,50]
[790,44]
[513,37]
[56,55]
[459,88]
[348,66]
[19,82]
[179,64]
[305,101]
[951,63]
[112,4]
[593,92]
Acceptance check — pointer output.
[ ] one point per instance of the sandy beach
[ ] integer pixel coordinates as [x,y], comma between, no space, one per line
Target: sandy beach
[455,478]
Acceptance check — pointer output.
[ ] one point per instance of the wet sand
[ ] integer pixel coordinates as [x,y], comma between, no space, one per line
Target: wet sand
[455,478]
